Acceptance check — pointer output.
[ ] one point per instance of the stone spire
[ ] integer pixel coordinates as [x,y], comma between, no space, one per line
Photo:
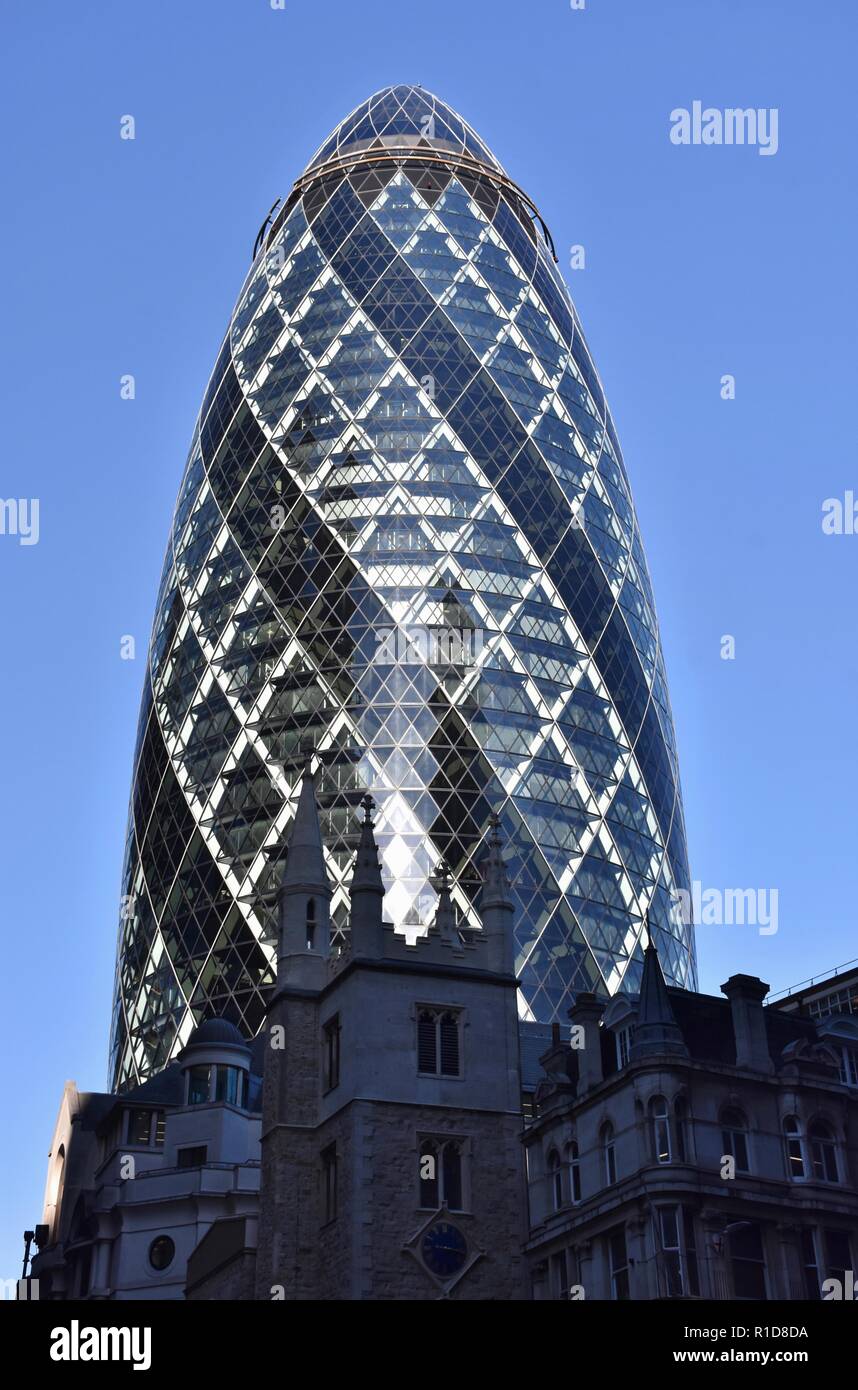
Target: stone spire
[305,869]
[366,890]
[497,907]
[656,1029]
[305,894]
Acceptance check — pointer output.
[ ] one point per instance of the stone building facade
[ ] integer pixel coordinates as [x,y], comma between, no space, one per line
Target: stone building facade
[136,1181]
[687,1146]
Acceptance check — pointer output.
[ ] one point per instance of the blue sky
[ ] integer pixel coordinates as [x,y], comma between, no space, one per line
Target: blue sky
[701,261]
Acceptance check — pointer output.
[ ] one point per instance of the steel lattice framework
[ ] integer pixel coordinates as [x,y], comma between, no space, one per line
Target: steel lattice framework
[404,436]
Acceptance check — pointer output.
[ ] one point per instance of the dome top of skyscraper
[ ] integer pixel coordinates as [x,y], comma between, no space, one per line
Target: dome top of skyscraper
[404,118]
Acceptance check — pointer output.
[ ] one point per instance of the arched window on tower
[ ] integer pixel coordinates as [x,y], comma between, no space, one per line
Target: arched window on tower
[311,923]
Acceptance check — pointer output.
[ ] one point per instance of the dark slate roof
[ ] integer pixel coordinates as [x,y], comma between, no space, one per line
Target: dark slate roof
[535,1040]
[707,1027]
[165,1088]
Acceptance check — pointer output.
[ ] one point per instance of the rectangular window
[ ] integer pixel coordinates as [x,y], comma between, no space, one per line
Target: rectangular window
[575,1174]
[619,1263]
[662,1138]
[329,1182]
[677,1252]
[199,1085]
[139,1126]
[438,1042]
[809,1264]
[841,1001]
[610,1160]
[559,1275]
[331,1052]
[837,1256]
[734,1144]
[228,1085]
[145,1127]
[192,1157]
[747,1262]
[625,1037]
[849,1067]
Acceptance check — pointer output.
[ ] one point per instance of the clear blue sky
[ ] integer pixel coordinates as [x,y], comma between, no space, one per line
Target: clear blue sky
[124,257]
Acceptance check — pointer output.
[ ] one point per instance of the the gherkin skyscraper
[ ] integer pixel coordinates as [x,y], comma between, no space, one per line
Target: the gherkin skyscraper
[405,541]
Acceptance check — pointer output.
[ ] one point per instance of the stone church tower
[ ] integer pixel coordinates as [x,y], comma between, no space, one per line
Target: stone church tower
[391,1150]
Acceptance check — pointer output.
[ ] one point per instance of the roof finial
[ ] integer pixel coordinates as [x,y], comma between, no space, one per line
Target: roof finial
[650,944]
[366,875]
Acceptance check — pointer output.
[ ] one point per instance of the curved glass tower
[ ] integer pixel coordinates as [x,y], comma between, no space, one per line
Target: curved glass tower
[405,540]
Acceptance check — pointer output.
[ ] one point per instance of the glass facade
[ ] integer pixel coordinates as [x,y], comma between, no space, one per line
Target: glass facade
[404,539]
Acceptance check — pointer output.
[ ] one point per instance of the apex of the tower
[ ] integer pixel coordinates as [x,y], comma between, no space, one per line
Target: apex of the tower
[305,870]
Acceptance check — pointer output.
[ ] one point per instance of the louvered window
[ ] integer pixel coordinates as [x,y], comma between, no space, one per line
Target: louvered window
[449,1030]
[427,1049]
[438,1042]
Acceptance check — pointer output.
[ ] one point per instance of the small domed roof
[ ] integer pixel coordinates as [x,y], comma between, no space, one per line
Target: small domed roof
[217,1032]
